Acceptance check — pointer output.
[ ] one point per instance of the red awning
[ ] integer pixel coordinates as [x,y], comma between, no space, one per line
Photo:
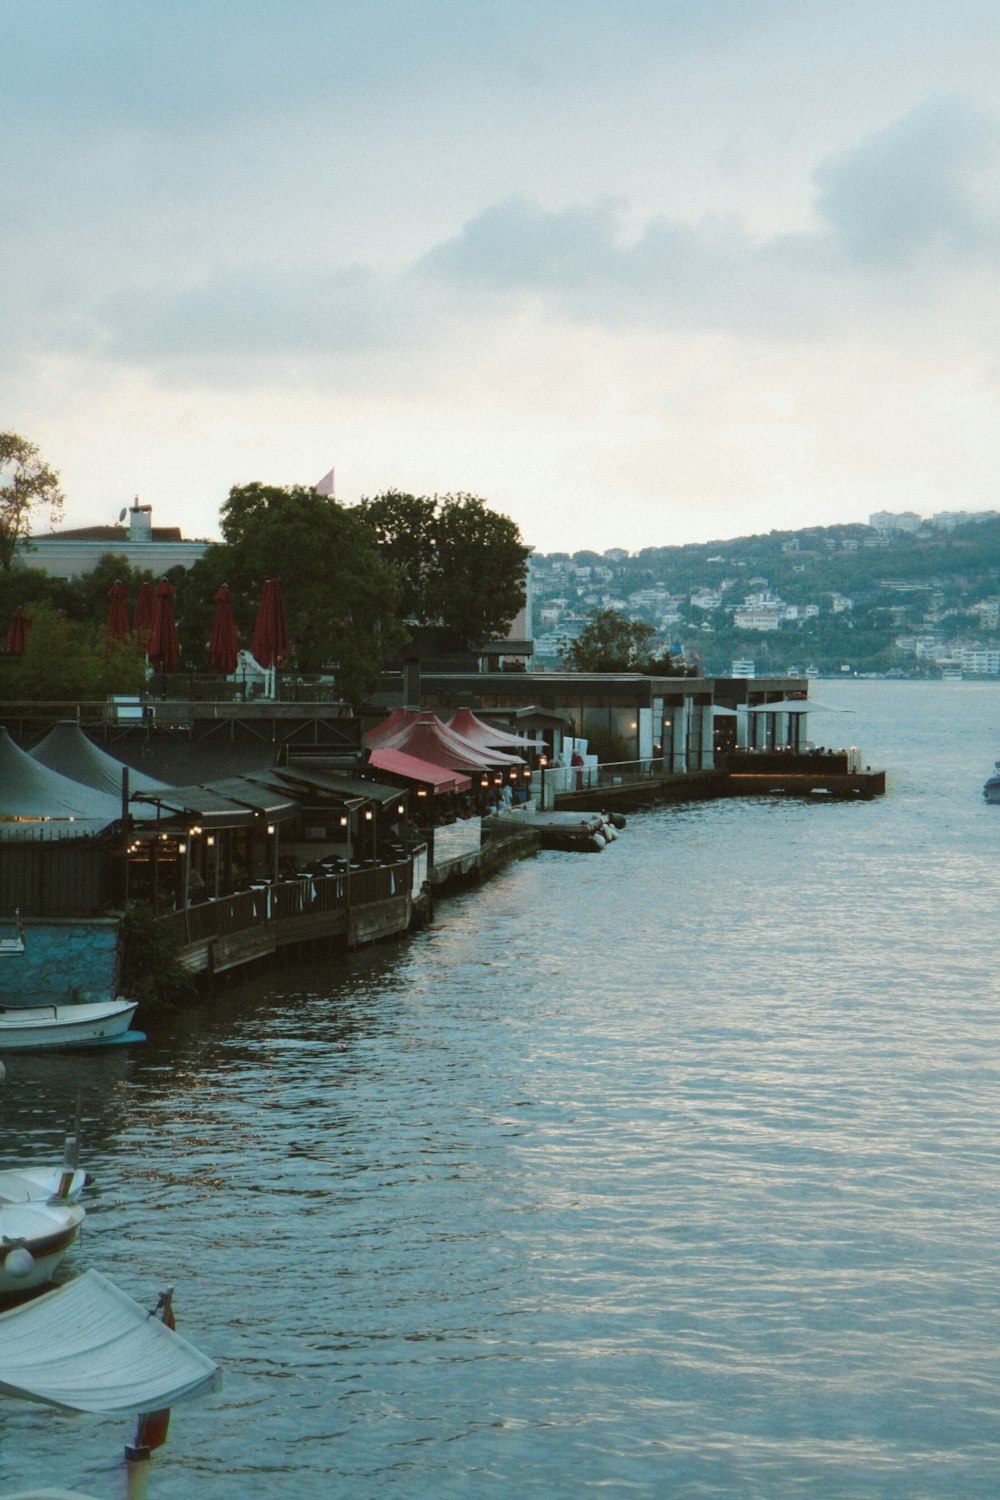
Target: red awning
[464,722]
[439,778]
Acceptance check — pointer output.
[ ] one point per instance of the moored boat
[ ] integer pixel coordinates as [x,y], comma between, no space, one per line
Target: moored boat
[34,1237]
[77,1024]
[991,791]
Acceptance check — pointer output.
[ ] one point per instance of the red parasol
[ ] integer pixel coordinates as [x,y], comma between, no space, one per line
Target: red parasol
[164,647]
[270,634]
[142,620]
[117,625]
[223,645]
[17,633]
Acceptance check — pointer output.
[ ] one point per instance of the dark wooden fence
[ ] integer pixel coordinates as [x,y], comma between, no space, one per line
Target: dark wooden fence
[286,899]
[54,877]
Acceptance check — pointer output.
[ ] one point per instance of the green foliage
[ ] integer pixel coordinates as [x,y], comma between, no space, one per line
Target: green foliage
[151,967]
[66,660]
[26,485]
[462,565]
[342,600]
[609,642]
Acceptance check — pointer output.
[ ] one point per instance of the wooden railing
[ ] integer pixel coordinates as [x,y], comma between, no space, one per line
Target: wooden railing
[285,899]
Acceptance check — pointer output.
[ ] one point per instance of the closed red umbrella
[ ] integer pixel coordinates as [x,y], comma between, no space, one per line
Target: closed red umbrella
[224,644]
[142,619]
[17,633]
[270,634]
[164,647]
[117,625]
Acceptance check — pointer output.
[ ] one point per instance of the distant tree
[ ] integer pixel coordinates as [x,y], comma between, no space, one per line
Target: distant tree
[66,660]
[342,600]
[463,566]
[609,642]
[27,484]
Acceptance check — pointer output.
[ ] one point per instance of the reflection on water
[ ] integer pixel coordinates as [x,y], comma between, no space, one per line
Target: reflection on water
[669,1172]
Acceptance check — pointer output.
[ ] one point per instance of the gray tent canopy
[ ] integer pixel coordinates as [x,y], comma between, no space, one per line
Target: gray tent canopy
[31,790]
[72,753]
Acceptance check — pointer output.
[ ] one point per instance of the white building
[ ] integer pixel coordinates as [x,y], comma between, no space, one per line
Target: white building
[69,554]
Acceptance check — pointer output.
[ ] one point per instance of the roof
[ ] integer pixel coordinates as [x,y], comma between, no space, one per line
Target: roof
[87,1346]
[350,792]
[429,739]
[426,773]
[69,751]
[199,802]
[464,722]
[31,790]
[119,534]
[261,796]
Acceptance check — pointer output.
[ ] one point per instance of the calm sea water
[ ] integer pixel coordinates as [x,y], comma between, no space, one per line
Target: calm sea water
[671,1171]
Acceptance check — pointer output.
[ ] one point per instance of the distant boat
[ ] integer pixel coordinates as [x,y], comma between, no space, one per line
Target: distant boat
[991,791]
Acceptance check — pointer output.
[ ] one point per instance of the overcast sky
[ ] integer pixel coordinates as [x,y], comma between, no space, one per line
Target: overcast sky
[637,272]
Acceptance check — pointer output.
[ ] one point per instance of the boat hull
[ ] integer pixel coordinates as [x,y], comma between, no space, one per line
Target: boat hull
[991,791]
[46,1231]
[76,1025]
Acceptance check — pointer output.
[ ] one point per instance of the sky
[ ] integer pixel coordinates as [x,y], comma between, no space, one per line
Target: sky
[637,272]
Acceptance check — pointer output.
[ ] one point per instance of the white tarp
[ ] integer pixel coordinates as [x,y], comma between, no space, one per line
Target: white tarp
[86,1346]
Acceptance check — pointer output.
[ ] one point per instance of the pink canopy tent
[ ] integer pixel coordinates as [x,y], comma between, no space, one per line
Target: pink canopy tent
[385,732]
[164,648]
[117,622]
[224,644]
[438,778]
[464,722]
[428,739]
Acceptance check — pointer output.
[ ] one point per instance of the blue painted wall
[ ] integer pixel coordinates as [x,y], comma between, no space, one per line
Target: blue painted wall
[62,961]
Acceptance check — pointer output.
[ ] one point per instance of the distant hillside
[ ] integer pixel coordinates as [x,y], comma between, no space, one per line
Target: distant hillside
[918,602]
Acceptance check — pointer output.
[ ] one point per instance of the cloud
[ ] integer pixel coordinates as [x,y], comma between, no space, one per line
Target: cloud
[899,221]
[909,198]
[914,187]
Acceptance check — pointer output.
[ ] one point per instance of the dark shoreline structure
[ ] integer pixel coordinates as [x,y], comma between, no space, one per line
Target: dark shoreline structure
[249,829]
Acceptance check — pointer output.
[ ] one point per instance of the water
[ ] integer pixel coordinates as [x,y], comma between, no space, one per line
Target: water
[668,1172]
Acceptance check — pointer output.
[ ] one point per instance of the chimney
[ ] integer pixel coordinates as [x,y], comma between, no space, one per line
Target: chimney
[140,522]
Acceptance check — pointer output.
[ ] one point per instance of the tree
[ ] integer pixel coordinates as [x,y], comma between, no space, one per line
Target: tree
[462,565]
[65,660]
[609,642]
[26,484]
[342,600]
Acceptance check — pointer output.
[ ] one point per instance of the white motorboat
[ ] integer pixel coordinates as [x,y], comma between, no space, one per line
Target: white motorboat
[34,1237]
[76,1024]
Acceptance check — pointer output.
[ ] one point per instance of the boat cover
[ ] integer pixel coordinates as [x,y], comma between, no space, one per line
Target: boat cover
[86,1346]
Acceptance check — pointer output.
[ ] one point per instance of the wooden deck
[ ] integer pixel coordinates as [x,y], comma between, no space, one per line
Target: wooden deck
[225,933]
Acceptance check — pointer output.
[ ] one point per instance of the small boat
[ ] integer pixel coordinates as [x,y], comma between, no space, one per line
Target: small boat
[34,1237]
[39,1184]
[76,1024]
[86,1346]
[991,791]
